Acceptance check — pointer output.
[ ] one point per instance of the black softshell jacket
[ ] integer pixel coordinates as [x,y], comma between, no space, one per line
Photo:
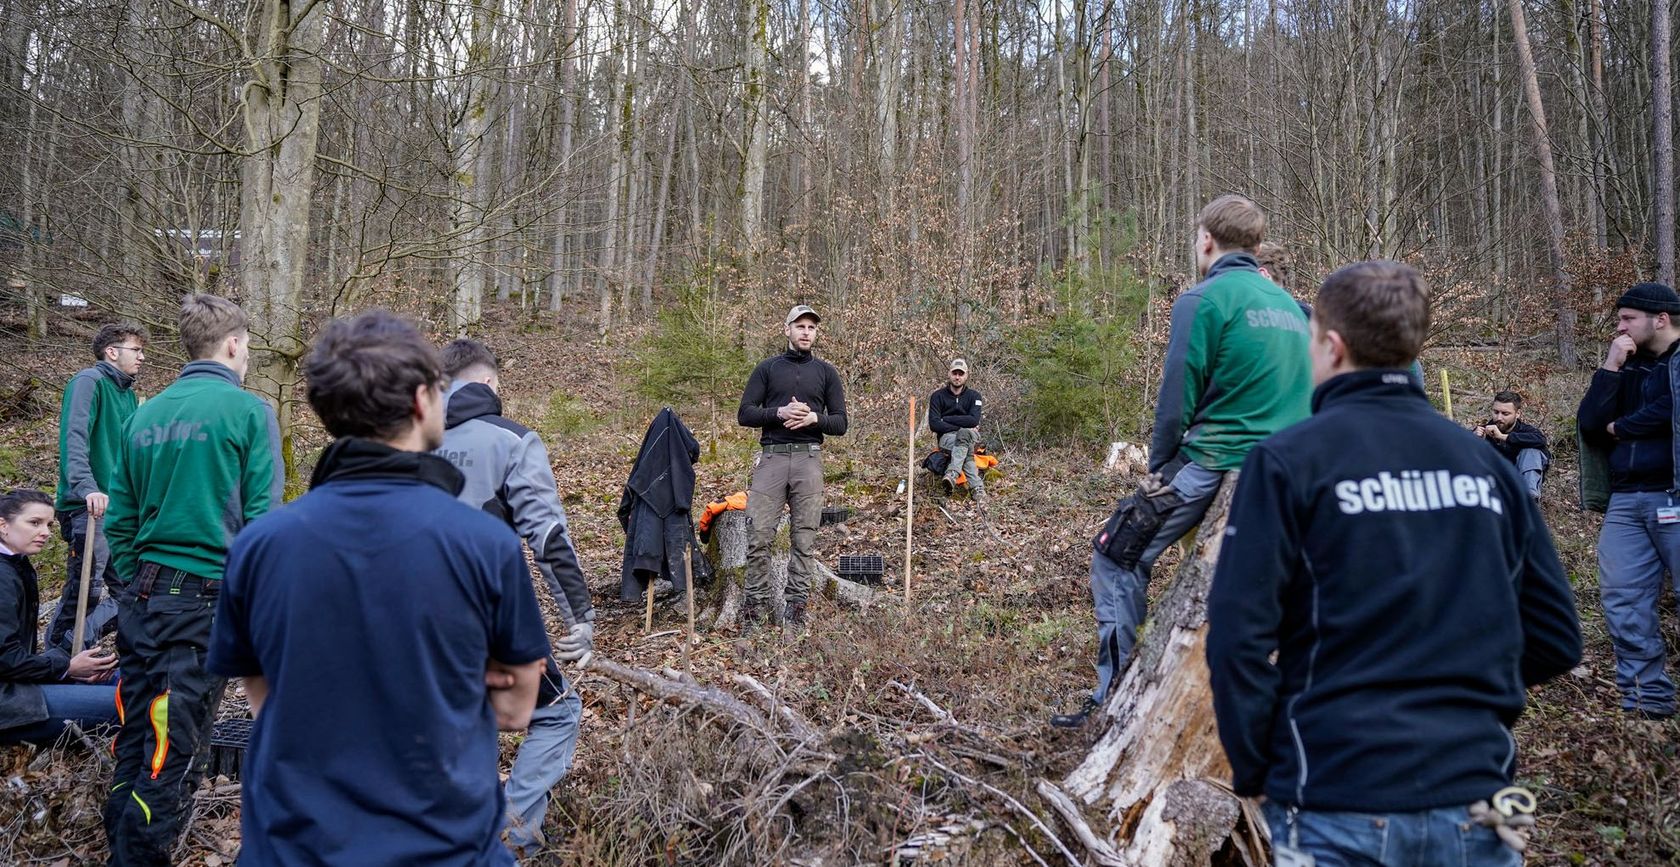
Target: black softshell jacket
[657,508]
[23,667]
[1410,588]
[776,381]
[948,413]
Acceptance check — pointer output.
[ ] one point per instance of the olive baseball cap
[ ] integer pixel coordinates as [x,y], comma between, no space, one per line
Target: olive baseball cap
[959,364]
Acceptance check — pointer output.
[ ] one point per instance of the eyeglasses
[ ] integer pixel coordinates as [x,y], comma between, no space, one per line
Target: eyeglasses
[131,348]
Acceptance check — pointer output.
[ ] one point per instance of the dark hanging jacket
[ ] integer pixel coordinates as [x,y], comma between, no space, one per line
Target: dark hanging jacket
[23,667]
[656,510]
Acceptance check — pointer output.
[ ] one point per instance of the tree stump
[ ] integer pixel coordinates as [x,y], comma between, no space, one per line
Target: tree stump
[729,552]
[1158,773]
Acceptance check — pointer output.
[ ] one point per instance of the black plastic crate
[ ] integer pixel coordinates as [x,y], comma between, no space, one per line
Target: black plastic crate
[835,515]
[228,740]
[863,568]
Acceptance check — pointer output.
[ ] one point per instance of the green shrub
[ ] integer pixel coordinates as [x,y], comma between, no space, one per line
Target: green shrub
[566,415]
[1081,368]
[697,355]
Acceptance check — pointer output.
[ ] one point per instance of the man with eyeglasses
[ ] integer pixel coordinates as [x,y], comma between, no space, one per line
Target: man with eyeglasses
[954,417]
[97,403]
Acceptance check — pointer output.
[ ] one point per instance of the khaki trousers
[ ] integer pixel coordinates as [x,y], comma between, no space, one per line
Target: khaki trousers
[793,480]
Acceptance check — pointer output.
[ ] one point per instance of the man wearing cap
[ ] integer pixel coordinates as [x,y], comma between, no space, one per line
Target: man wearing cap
[954,416]
[1628,411]
[796,399]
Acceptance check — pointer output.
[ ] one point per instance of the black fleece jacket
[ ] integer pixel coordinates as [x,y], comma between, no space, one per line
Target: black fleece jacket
[1521,437]
[949,412]
[1638,399]
[1411,591]
[777,381]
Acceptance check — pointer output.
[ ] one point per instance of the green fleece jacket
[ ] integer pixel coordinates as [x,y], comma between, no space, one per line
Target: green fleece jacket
[199,462]
[97,403]
[1237,369]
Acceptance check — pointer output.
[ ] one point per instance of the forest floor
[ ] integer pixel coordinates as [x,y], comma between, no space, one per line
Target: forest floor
[999,635]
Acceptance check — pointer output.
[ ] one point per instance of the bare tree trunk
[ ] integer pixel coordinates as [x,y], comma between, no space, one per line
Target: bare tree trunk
[1548,187]
[658,234]
[755,111]
[471,184]
[1662,142]
[563,184]
[282,113]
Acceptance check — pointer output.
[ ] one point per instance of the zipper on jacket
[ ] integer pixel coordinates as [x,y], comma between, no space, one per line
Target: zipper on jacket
[1312,660]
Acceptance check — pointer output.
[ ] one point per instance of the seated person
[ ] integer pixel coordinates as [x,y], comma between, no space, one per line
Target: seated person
[954,416]
[1521,443]
[36,699]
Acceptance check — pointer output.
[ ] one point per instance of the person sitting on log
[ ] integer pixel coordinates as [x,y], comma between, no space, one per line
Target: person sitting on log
[1236,371]
[954,416]
[1409,588]
[1521,443]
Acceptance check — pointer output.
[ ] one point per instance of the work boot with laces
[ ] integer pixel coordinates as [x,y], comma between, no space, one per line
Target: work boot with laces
[794,618]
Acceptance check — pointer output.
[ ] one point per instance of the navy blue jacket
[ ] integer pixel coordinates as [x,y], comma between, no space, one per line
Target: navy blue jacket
[372,604]
[1411,591]
[1639,398]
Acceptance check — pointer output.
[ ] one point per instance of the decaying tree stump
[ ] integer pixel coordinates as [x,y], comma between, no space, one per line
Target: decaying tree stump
[1158,773]
[729,553]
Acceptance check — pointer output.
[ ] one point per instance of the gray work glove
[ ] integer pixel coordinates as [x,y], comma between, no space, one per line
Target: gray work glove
[578,643]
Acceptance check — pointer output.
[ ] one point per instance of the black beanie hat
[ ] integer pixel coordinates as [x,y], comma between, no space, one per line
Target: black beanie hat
[1651,298]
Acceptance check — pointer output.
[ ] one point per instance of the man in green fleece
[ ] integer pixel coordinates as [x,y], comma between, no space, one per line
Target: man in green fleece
[1236,371]
[97,403]
[199,461]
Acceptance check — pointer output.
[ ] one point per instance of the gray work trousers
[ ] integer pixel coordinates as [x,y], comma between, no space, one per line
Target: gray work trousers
[793,480]
[960,443]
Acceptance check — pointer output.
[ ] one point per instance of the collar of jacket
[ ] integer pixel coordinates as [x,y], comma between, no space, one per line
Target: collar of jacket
[1239,261]
[1381,383]
[354,458]
[111,372]
[469,400]
[206,367]
[797,356]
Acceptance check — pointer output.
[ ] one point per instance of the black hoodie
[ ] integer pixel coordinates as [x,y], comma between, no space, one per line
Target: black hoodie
[1411,591]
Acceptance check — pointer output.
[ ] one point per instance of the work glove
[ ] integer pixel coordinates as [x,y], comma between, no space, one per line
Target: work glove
[577,644]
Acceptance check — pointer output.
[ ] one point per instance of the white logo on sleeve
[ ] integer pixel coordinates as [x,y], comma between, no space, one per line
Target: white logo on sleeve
[1418,491]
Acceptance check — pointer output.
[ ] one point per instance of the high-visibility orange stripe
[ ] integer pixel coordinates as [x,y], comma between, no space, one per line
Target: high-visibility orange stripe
[160,731]
[122,713]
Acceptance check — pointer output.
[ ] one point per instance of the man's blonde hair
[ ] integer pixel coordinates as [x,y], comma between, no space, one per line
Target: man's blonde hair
[207,320]
[1234,221]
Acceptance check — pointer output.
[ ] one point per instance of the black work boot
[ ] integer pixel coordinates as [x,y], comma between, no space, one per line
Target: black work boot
[1076,719]
[795,616]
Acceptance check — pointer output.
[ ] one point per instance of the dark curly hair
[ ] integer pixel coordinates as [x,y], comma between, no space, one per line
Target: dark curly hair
[363,372]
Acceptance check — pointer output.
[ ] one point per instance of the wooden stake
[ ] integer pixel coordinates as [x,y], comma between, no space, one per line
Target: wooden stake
[688,577]
[82,594]
[1446,394]
[648,592]
[910,502]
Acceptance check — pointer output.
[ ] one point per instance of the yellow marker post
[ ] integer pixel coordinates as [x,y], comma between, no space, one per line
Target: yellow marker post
[1446,394]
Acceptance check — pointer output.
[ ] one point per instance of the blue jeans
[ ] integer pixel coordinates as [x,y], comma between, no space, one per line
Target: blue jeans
[1444,837]
[87,705]
[1633,552]
[1531,465]
[1121,595]
[543,760]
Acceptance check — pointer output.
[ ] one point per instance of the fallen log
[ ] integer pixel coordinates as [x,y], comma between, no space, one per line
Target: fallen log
[1158,776]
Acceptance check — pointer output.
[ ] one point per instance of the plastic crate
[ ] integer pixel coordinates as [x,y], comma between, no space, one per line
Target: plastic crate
[228,740]
[863,568]
[835,515]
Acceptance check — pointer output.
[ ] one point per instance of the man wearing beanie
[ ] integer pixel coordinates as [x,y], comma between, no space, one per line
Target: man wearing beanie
[1629,412]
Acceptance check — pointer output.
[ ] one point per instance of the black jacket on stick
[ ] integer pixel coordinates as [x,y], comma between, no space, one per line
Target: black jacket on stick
[657,508]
